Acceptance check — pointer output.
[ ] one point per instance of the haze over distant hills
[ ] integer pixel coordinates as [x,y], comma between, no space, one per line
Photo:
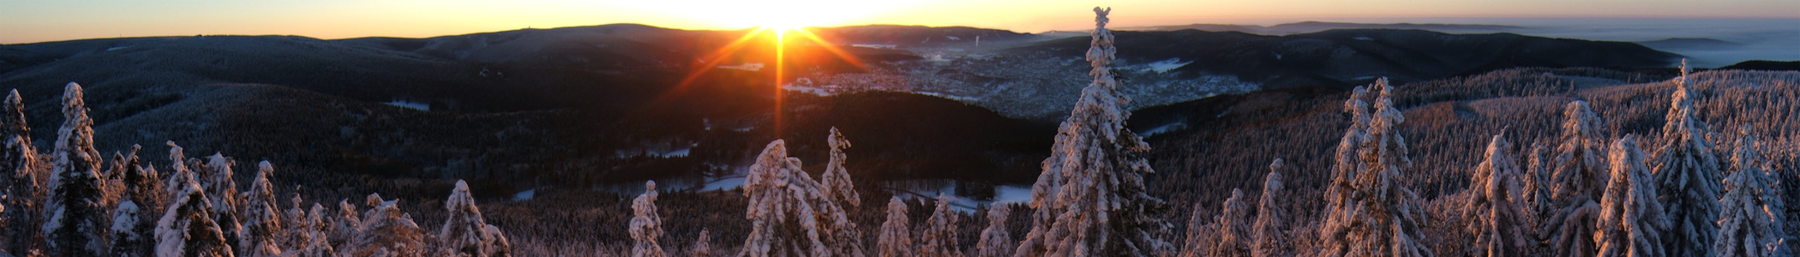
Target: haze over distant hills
[1707,42]
[1316,26]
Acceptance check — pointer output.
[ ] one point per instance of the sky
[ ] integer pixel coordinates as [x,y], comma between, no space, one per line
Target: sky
[25,21]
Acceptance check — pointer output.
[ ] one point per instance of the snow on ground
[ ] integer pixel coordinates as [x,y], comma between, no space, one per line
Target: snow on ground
[875,46]
[928,191]
[525,195]
[1012,194]
[966,99]
[727,183]
[410,105]
[1164,128]
[1163,66]
[818,91]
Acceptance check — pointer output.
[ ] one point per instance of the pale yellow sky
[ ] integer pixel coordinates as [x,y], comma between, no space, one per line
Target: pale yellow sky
[23,21]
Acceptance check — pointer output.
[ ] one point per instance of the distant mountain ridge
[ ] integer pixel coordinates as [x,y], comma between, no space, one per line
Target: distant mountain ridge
[1317,26]
[1162,67]
[1689,43]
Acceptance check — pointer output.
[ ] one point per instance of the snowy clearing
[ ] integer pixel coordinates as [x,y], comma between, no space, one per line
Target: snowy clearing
[1163,66]
[409,105]
[1164,128]
[818,91]
[875,46]
[727,183]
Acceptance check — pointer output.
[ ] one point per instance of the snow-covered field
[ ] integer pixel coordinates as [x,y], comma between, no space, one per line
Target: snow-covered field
[409,105]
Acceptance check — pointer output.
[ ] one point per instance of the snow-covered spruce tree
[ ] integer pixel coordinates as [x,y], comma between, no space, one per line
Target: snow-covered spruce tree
[315,243]
[387,230]
[126,241]
[1202,234]
[179,173]
[295,227]
[895,238]
[1379,217]
[940,234]
[646,225]
[142,186]
[187,228]
[112,181]
[1491,215]
[1340,200]
[837,180]
[1537,206]
[1234,228]
[345,225]
[785,203]
[1631,220]
[1750,214]
[1345,165]
[1268,236]
[1090,199]
[219,184]
[262,224]
[75,218]
[24,185]
[1576,186]
[703,245]
[1687,176]
[995,242]
[466,233]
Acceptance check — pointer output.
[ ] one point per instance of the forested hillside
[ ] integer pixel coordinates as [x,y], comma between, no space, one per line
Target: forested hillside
[1513,162]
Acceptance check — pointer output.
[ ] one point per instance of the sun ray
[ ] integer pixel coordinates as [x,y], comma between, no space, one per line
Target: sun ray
[780,76]
[712,59]
[829,47]
[780,65]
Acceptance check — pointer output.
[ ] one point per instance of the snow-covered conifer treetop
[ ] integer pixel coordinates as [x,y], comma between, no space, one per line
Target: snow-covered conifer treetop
[1493,217]
[1687,176]
[1268,235]
[1090,197]
[940,234]
[1751,211]
[995,241]
[836,178]
[780,192]
[895,238]
[646,225]
[1631,221]
[464,231]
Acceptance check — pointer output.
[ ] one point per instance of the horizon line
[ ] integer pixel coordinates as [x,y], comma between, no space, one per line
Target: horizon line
[1239,21]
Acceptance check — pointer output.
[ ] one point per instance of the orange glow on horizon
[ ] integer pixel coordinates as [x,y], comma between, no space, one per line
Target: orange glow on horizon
[39,21]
